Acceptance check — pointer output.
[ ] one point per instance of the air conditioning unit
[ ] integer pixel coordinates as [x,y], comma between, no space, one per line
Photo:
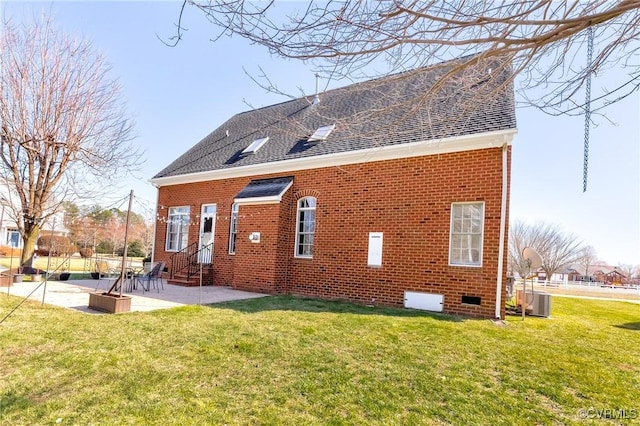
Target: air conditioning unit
[537,304]
[541,304]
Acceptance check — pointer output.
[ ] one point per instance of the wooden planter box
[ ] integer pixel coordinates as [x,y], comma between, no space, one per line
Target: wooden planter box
[6,280]
[109,302]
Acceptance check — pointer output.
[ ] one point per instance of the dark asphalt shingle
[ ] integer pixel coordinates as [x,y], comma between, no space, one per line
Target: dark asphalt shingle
[397,109]
[265,188]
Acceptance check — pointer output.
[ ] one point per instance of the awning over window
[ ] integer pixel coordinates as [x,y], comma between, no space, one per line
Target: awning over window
[264,191]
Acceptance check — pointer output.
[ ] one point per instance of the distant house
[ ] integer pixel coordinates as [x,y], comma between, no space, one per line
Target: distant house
[578,273]
[372,193]
[598,272]
[610,275]
[563,275]
[574,275]
[10,236]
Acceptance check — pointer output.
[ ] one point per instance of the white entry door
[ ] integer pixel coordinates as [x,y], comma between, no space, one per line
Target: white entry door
[207,232]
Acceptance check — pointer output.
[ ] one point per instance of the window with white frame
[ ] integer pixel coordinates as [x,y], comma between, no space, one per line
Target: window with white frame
[13,238]
[177,228]
[233,228]
[467,224]
[305,227]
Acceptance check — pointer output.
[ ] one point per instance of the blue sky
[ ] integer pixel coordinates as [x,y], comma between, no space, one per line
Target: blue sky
[178,95]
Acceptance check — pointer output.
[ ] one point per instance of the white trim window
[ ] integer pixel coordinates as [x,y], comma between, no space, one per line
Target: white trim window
[305,227]
[467,226]
[233,228]
[13,238]
[177,228]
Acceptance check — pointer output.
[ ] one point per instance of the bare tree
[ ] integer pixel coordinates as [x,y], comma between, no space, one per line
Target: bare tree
[113,230]
[63,126]
[635,276]
[84,231]
[629,271]
[518,240]
[521,236]
[587,258]
[140,231]
[556,248]
[146,238]
[545,41]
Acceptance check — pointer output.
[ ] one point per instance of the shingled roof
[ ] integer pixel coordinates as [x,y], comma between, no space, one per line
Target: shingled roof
[408,107]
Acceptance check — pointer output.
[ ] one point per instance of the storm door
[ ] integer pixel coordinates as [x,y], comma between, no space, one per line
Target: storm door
[207,232]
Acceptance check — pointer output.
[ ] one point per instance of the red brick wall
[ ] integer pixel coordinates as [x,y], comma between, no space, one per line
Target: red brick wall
[409,200]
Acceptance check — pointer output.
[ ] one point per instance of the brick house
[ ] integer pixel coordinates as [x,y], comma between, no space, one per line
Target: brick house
[371,193]
[610,275]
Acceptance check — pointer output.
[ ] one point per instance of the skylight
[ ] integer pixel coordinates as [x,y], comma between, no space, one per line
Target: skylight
[255,145]
[322,133]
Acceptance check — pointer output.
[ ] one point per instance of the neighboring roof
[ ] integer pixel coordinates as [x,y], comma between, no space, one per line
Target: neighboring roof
[264,190]
[602,268]
[617,272]
[387,111]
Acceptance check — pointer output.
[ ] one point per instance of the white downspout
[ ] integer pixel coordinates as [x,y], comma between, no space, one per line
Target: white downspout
[503,214]
[155,224]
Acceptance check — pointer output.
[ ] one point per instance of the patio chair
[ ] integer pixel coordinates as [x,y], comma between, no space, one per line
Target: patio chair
[103,271]
[100,269]
[152,277]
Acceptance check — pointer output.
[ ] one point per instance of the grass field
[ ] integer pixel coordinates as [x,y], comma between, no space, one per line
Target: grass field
[607,293]
[76,265]
[283,360]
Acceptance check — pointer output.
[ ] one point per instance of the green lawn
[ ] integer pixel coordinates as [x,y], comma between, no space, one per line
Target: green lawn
[79,267]
[282,360]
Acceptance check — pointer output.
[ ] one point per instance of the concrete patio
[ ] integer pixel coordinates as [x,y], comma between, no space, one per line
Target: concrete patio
[75,294]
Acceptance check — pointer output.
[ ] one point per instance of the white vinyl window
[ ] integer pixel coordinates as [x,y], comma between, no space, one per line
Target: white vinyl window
[13,238]
[233,228]
[467,225]
[177,228]
[305,227]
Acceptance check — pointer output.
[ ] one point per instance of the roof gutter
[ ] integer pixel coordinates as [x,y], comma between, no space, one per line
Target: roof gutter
[382,153]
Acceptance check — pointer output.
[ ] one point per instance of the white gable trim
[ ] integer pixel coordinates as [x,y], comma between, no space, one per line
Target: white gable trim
[390,152]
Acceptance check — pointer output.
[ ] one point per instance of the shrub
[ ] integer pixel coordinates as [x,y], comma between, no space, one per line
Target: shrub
[10,251]
[54,245]
[135,249]
[104,247]
[86,252]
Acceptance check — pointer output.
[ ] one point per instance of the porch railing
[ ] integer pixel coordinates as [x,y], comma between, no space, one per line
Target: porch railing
[187,260]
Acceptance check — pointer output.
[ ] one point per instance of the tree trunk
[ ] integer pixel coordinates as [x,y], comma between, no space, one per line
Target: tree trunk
[29,239]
